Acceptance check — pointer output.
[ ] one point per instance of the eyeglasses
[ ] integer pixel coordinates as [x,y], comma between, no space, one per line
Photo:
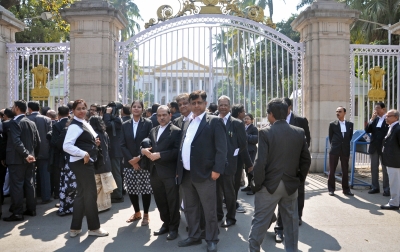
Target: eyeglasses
[389,115]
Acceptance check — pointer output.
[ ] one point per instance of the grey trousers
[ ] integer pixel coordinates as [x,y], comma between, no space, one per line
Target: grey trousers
[264,207]
[375,158]
[195,196]
[116,172]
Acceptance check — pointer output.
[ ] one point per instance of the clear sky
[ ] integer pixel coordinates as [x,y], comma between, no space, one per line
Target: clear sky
[148,9]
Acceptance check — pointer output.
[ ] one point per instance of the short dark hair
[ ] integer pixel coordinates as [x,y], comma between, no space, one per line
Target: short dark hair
[94,105]
[149,109]
[278,108]
[212,107]
[76,102]
[97,123]
[21,104]
[34,105]
[196,94]
[174,105]
[44,110]
[126,109]
[154,108]
[380,104]
[288,101]
[236,109]
[250,115]
[63,110]
[138,101]
[8,112]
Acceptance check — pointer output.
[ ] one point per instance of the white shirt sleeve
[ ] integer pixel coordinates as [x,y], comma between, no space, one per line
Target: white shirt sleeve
[73,132]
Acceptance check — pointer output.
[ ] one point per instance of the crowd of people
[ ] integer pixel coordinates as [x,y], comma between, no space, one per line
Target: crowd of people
[190,155]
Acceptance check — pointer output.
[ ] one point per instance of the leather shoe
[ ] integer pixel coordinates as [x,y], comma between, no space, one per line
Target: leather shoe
[348,193]
[389,207]
[373,191]
[30,213]
[161,231]
[189,242]
[228,223]
[278,237]
[172,235]
[385,193]
[211,247]
[14,217]
[331,193]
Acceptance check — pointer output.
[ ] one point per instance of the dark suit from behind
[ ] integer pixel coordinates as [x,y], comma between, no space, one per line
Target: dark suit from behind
[375,150]
[276,180]
[208,153]
[23,140]
[163,174]
[153,120]
[340,148]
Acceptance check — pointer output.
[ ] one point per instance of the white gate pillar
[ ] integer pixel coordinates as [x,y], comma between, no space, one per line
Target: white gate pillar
[95,26]
[325,31]
[9,25]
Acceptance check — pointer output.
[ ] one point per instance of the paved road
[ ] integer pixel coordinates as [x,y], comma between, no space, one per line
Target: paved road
[337,223]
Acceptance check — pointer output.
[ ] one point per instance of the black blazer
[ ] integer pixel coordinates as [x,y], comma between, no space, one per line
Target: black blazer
[153,119]
[301,122]
[58,154]
[130,146]
[391,148]
[103,162]
[43,125]
[236,139]
[252,138]
[125,118]
[282,155]
[3,140]
[178,122]
[208,151]
[340,145]
[168,147]
[377,135]
[113,128]
[23,140]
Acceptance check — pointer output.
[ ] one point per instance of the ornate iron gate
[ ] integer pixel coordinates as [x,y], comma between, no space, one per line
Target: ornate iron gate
[221,54]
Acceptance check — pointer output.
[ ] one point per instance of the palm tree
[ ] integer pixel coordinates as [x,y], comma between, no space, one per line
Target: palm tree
[131,12]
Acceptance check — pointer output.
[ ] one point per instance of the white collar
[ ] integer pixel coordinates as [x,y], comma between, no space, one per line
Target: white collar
[79,120]
[15,117]
[391,125]
[200,116]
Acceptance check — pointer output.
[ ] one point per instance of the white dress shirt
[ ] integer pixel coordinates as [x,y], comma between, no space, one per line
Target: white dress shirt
[342,127]
[390,127]
[185,118]
[288,117]
[381,119]
[134,127]
[190,133]
[16,117]
[225,118]
[161,130]
[73,132]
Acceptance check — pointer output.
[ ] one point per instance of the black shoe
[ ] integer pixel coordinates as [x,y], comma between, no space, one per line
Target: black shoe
[161,231]
[300,222]
[250,193]
[389,207]
[279,237]
[211,247]
[228,223]
[45,202]
[14,217]
[189,242]
[348,193]
[373,191]
[331,193]
[386,193]
[30,213]
[120,200]
[246,189]
[172,235]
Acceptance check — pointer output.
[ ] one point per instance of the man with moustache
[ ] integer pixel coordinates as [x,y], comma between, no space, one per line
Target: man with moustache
[165,139]
[391,158]
[23,143]
[237,145]
[340,134]
[201,160]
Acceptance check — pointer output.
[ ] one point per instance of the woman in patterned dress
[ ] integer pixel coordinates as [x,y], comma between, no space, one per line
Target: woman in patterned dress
[136,179]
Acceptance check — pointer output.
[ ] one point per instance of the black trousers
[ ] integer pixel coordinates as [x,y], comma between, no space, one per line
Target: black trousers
[226,189]
[166,195]
[333,162]
[55,180]
[3,172]
[196,195]
[85,203]
[21,180]
[238,175]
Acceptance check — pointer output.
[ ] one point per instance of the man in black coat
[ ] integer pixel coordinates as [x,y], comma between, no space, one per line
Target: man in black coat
[23,144]
[113,127]
[153,117]
[340,134]
[43,125]
[184,108]
[237,145]
[58,161]
[391,158]
[201,160]
[165,139]
[378,129]
[282,162]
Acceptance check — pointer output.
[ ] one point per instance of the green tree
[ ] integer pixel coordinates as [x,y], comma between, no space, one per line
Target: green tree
[285,28]
[131,12]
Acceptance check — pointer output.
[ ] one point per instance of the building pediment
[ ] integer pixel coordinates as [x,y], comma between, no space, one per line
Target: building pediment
[182,65]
